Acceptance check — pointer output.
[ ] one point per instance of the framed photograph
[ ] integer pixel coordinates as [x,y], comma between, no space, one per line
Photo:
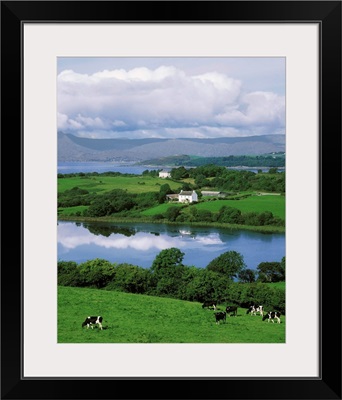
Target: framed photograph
[138,134]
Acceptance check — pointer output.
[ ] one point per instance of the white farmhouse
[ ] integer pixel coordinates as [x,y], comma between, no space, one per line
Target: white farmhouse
[187,196]
[164,174]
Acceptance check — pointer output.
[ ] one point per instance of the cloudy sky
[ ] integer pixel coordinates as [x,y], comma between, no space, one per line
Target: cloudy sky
[170,97]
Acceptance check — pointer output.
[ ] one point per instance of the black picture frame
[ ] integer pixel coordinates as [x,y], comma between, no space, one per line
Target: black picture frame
[328,385]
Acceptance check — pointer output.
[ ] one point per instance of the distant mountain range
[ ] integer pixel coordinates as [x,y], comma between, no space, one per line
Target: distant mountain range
[74,148]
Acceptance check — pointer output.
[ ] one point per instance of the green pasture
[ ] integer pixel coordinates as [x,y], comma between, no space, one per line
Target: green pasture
[275,204]
[133,318]
[102,184]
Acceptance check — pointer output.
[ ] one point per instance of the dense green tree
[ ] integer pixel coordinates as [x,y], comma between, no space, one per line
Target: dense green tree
[230,263]
[246,294]
[113,202]
[68,273]
[157,217]
[207,171]
[198,215]
[96,273]
[179,173]
[147,199]
[74,197]
[271,271]
[186,187]
[193,214]
[166,259]
[205,285]
[100,208]
[229,215]
[168,270]
[185,290]
[265,218]
[119,204]
[130,278]
[163,191]
[172,213]
[64,267]
[201,181]
[247,275]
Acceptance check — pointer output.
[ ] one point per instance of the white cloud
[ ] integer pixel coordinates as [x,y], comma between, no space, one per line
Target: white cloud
[162,102]
[213,238]
[71,237]
[256,109]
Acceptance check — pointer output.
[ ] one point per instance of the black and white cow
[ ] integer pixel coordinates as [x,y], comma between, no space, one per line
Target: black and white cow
[220,316]
[231,310]
[271,316]
[93,321]
[254,310]
[209,304]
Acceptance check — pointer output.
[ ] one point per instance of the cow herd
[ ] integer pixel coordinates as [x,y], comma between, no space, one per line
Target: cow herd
[253,310]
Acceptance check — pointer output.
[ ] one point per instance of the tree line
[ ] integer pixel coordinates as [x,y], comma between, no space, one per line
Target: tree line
[268,160]
[223,179]
[225,279]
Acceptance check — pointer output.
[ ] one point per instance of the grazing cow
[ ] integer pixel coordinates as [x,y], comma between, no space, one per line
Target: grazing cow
[231,310]
[209,303]
[253,310]
[93,321]
[271,316]
[220,316]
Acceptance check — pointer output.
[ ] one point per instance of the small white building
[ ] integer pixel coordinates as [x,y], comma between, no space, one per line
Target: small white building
[207,193]
[172,197]
[187,196]
[164,174]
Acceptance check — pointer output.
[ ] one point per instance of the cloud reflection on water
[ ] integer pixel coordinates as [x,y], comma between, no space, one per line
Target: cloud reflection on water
[72,236]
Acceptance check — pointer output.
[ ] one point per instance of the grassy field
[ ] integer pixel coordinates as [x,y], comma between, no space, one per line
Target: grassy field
[131,318]
[103,184]
[275,204]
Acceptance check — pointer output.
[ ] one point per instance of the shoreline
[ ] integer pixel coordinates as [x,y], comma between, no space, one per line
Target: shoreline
[259,229]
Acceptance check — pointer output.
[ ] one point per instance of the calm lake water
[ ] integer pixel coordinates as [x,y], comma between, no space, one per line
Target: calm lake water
[138,244]
[100,167]
[124,168]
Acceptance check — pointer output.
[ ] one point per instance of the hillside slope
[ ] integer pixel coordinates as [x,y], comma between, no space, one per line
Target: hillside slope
[73,148]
